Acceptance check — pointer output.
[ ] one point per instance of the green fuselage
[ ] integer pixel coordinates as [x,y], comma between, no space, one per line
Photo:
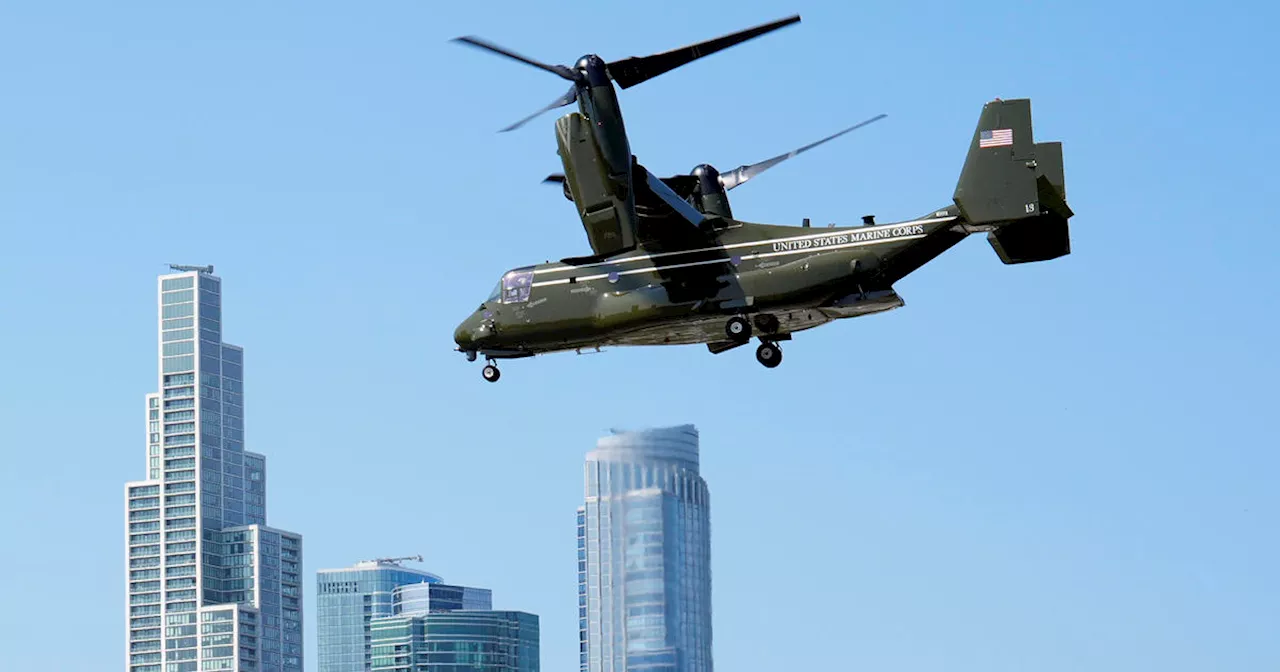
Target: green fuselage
[682,292]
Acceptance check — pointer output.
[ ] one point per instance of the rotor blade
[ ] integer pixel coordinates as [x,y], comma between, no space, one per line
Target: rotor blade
[631,71]
[741,174]
[567,98]
[554,178]
[489,46]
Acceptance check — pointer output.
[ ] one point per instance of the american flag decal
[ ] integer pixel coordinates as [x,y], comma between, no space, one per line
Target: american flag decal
[998,138]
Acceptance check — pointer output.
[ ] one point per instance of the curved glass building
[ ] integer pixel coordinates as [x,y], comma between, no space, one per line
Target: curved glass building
[381,616]
[456,641]
[347,600]
[423,598]
[644,555]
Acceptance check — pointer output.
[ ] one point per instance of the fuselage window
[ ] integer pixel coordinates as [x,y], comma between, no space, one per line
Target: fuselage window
[516,286]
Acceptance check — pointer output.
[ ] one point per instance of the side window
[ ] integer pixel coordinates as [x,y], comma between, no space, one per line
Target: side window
[516,286]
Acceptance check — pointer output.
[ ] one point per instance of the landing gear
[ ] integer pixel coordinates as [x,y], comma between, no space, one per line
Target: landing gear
[491,373]
[769,354]
[738,329]
[767,323]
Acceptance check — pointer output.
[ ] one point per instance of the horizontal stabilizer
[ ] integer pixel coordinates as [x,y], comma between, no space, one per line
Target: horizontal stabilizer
[1037,239]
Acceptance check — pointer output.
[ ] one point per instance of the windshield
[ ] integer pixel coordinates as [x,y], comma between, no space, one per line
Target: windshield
[514,287]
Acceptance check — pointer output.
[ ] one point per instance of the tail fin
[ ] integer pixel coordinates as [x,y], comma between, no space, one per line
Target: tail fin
[1014,187]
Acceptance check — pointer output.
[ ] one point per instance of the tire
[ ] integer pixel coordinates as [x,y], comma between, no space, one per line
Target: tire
[738,329]
[769,354]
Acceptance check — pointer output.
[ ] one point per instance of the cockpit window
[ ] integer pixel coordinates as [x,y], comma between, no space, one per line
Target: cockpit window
[495,294]
[516,286]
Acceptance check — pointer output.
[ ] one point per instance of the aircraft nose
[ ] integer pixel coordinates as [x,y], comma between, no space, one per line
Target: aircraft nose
[464,335]
[467,333]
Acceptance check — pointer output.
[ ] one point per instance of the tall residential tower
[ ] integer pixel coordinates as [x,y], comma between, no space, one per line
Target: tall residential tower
[210,586]
[644,555]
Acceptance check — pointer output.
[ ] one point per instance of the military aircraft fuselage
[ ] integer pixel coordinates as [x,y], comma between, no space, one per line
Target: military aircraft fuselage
[785,278]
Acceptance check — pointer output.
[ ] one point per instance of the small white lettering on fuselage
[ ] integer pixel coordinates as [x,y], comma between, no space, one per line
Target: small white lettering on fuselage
[847,237]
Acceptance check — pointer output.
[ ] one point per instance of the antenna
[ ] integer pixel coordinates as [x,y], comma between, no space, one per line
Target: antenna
[207,270]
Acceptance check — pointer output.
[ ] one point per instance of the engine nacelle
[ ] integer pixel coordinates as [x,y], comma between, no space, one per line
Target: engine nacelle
[712,199]
[608,217]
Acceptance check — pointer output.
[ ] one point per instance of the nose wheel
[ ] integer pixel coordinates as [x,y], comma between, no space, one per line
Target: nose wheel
[769,354]
[491,373]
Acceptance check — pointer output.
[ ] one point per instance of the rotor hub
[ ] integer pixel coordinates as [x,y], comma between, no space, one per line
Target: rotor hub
[595,69]
[708,178]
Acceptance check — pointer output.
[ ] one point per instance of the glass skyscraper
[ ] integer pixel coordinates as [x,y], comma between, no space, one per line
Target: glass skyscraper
[456,641]
[379,616]
[644,555]
[210,586]
[346,600]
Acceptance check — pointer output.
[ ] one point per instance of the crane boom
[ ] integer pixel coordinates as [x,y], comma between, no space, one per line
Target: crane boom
[381,561]
[207,270]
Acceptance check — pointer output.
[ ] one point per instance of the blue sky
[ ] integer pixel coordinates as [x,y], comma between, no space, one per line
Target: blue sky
[1056,466]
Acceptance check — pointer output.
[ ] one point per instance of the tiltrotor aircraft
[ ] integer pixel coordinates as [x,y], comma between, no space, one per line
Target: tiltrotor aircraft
[671,265]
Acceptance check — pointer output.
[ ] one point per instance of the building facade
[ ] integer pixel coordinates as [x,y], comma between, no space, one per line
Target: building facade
[422,598]
[379,615]
[210,585]
[346,600]
[456,641]
[644,555]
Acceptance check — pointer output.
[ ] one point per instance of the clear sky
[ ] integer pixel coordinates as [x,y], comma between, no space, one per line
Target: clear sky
[1055,467]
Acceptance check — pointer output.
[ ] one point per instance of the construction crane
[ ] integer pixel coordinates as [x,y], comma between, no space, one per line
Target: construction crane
[395,561]
[207,270]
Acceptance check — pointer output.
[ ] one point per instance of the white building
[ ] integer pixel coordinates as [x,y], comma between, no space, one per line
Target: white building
[210,586]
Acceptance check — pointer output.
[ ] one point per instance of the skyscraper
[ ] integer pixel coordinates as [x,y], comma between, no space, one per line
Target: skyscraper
[644,555]
[210,586]
[346,599]
[426,636]
[378,616]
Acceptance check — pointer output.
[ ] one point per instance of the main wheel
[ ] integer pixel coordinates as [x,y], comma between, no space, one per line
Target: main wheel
[738,329]
[491,373]
[769,354]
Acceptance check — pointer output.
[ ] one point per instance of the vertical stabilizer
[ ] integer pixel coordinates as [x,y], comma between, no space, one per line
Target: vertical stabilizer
[1014,187]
